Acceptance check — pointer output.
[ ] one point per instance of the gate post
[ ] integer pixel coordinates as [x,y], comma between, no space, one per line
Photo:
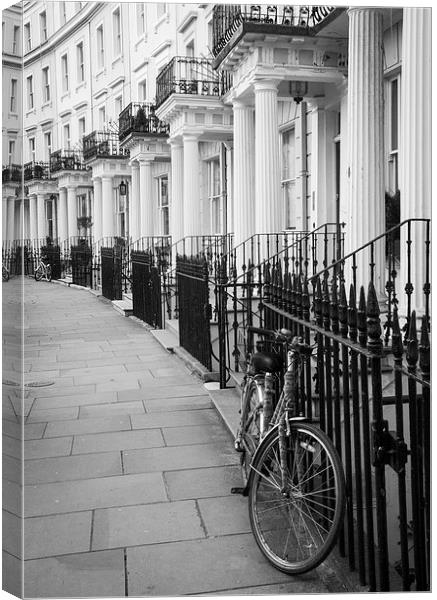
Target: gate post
[222,310]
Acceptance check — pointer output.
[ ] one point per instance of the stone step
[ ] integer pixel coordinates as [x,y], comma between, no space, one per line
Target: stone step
[227,404]
[166,338]
[172,325]
[124,307]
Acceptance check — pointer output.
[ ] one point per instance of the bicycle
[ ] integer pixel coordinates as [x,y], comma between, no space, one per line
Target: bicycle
[5,273]
[296,485]
[43,270]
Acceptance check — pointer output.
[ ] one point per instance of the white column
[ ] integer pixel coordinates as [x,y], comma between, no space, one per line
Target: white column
[134,213]
[177,191]
[415,147]
[72,211]
[11,219]
[41,216]
[244,172]
[107,207]
[97,220]
[62,215]
[191,215]
[33,218]
[4,218]
[267,175]
[146,198]
[366,140]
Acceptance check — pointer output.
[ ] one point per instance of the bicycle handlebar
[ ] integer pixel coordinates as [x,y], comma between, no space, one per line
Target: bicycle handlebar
[284,335]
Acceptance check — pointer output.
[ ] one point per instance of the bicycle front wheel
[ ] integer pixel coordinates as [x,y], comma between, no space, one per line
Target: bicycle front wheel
[38,274]
[250,426]
[49,273]
[295,518]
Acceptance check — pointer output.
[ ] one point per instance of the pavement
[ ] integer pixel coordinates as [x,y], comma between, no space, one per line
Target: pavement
[128,465]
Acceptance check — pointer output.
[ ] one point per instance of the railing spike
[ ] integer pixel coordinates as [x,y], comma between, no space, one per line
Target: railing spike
[424,349]
[412,343]
[361,316]
[397,347]
[373,321]
[343,310]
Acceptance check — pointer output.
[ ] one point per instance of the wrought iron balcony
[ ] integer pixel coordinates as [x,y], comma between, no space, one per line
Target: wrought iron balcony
[102,144]
[11,173]
[140,117]
[36,170]
[277,19]
[66,160]
[188,75]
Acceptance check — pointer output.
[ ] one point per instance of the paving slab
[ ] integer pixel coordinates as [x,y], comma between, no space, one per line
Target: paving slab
[12,533]
[225,515]
[163,391]
[107,410]
[84,426]
[176,419]
[222,563]
[45,448]
[33,431]
[12,447]
[11,468]
[12,575]
[202,483]
[88,494]
[76,576]
[61,397]
[12,497]
[101,442]
[179,457]
[69,468]
[151,524]
[53,414]
[78,399]
[58,534]
[171,404]
[93,371]
[195,434]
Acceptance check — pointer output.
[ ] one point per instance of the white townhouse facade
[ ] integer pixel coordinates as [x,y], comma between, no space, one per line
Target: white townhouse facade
[283,119]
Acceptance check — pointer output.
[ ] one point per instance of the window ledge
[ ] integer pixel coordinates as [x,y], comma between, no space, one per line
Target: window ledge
[31,111]
[65,95]
[163,18]
[141,39]
[47,104]
[13,115]
[117,59]
[81,85]
[101,72]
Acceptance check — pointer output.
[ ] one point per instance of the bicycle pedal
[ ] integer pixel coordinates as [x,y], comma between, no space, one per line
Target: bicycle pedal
[239,490]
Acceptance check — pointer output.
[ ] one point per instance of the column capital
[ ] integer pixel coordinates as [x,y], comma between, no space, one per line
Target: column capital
[71,188]
[266,85]
[175,142]
[96,179]
[106,178]
[191,137]
[145,161]
[364,9]
[134,164]
[241,105]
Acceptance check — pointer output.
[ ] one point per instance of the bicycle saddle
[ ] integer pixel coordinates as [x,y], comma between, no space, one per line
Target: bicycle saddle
[267,362]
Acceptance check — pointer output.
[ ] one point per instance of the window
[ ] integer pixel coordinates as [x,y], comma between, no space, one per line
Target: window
[15,39]
[102,117]
[32,149]
[116,28]
[64,70]
[81,127]
[50,218]
[100,48]
[13,105]
[80,63]
[163,205]
[66,132]
[141,18]
[288,178]
[161,9]
[11,152]
[120,209]
[45,85]
[43,26]
[63,12]
[214,195]
[118,106]
[30,92]
[393,136]
[27,37]
[84,213]
[48,144]
[142,90]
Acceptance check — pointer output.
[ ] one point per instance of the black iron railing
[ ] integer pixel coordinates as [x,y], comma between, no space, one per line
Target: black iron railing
[140,118]
[36,170]
[102,144]
[66,160]
[189,75]
[303,20]
[11,173]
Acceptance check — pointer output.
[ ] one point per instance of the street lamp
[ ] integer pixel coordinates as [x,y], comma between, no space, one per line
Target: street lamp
[122,188]
[298,89]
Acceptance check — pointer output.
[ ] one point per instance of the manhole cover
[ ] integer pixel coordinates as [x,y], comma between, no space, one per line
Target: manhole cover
[39,384]
[8,382]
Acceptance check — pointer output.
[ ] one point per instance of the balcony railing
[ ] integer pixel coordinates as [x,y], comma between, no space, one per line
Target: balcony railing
[140,118]
[36,170]
[303,20]
[188,75]
[66,160]
[11,173]
[102,144]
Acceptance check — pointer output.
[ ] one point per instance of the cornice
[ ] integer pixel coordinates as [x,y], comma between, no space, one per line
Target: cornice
[65,32]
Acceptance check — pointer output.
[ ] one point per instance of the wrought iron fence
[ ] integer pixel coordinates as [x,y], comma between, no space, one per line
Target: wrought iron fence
[194,308]
[11,173]
[36,170]
[103,144]
[370,394]
[303,20]
[189,75]
[111,272]
[146,288]
[81,257]
[140,117]
[66,160]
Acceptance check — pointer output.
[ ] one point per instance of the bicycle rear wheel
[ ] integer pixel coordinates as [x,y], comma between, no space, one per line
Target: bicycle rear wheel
[49,273]
[296,528]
